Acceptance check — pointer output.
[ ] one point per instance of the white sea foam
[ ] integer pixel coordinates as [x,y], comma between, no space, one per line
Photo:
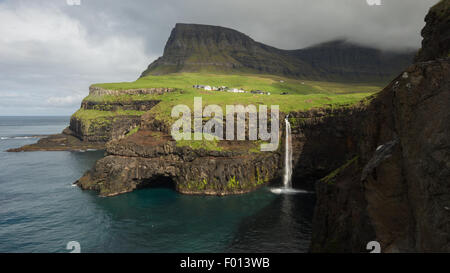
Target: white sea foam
[18,137]
[287,191]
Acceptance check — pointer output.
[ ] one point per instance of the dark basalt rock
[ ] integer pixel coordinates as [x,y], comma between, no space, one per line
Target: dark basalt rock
[104,129]
[397,194]
[402,198]
[147,157]
[136,105]
[94,134]
[436,33]
[382,153]
[66,141]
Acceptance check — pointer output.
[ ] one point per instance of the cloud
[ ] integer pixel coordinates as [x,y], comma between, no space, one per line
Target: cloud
[48,49]
[66,100]
[288,24]
[46,54]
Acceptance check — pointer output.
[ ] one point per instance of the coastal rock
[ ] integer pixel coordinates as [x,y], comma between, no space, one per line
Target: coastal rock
[137,105]
[103,129]
[323,139]
[93,131]
[148,158]
[98,91]
[436,33]
[397,189]
[382,153]
[66,141]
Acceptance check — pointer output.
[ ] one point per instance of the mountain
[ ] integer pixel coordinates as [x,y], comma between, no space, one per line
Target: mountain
[197,48]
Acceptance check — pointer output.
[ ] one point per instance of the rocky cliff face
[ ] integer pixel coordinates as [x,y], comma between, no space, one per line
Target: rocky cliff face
[396,188]
[150,158]
[99,121]
[436,33]
[193,48]
[105,125]
[323,139]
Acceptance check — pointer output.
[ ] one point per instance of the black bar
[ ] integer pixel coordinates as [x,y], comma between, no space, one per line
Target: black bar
[224,262]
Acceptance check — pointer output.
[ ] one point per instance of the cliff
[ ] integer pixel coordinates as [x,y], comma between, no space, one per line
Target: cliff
[201,48]
[436,33]
[150,157]
[395,189]
[323,137]
[103,116]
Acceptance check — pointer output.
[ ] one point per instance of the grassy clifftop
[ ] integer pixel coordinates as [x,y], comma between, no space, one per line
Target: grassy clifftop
[289,94]
[105,117]
[274,84]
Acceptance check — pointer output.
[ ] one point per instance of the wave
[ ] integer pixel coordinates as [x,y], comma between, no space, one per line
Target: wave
[21,137]
[17,137]
[86,150]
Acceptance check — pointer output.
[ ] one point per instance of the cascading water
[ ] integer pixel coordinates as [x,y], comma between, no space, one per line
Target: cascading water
[288,156]
[287,176]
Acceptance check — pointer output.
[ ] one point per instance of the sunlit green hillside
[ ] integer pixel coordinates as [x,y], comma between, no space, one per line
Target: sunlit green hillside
[298,95]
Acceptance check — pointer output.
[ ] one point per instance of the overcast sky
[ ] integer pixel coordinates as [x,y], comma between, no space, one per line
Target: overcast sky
[50,52]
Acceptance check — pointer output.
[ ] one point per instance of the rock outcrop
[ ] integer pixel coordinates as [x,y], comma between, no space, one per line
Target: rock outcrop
[235,167]
[436,33]
[99,121]
[204,48]
[323,139]
[99,91]
[66,141]
[120,117]
[396,188]
[149,158]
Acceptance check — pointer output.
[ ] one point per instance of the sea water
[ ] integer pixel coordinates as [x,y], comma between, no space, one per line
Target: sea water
[40,210]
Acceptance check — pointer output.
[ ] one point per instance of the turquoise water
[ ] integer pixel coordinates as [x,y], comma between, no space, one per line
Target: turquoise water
[40,210]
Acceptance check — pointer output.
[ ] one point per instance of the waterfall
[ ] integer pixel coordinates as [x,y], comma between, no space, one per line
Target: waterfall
[288,156]
[287,177]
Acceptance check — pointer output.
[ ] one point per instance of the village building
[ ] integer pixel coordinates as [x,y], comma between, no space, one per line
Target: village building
[227,89]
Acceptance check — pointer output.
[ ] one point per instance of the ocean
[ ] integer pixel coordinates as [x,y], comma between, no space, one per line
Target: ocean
[41,211]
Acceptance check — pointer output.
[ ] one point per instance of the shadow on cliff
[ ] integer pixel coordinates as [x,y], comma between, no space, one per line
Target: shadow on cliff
[322,142]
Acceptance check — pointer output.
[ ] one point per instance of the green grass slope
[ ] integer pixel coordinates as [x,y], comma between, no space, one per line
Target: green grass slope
[301,95]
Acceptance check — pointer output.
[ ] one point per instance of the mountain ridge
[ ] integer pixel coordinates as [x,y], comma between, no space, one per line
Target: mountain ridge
[197,48]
